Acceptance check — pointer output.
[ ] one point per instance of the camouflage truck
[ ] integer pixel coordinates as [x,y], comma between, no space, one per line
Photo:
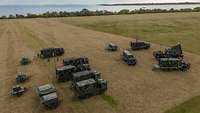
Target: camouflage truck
[88,83]
[51,52]
[48,96]
[112,47]
[169,64]
[138,45]
[128,58]
[173,52]
[65,73]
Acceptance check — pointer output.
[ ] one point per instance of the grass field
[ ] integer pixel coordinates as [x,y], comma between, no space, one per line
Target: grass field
[135,89]
[166,29]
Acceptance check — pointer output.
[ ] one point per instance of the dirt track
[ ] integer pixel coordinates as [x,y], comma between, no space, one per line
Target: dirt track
[135,89]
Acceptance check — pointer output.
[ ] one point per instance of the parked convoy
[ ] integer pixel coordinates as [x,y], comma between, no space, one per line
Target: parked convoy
[84,81]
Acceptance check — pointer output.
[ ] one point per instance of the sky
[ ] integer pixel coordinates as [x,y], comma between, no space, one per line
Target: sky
[5,2]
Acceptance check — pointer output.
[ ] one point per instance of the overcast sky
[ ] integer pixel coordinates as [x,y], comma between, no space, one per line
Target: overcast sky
[85,1]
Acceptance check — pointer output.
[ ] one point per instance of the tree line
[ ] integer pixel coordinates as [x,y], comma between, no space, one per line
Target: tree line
[86,12]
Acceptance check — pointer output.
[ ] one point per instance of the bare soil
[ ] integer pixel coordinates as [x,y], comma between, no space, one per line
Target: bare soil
[135,89]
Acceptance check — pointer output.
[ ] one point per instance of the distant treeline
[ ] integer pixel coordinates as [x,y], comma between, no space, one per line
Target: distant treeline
[86,12]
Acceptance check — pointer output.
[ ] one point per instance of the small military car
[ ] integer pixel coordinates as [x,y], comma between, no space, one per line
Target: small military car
[21,77]
[112,47]
[173,52]
[51,52]
[129,58]
[18,90]
[169,64]
[25,61]
[88,83]
[48,96]
[76,61]
[138,45]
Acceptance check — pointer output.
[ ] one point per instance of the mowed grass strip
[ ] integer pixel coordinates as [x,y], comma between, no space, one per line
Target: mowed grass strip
[190,106]
[165,29]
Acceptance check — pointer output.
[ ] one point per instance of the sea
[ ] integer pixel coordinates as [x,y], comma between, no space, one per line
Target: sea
[6,10]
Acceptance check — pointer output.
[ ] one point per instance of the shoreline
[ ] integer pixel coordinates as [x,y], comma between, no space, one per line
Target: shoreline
[140,4]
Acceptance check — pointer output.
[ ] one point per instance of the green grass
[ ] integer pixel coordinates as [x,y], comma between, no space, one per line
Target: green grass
[165,29]
[109,99]
[190,106]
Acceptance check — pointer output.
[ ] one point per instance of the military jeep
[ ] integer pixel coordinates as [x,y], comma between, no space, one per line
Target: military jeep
[128,58]
[112,47]
[21,77]
[25,61]
[138,45]
[18,90]
[48,96]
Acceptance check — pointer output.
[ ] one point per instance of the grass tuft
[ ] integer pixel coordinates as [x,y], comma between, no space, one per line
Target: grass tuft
[109,99]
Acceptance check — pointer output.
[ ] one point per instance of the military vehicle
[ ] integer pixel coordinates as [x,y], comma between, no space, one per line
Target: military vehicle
[51,52]
[88,83]
[112,47]
[48,96]
[76,61]
[173,52]
[83,75]
[25,61]
[138,45]
[169,64]
[65,73]
[129,58]
[18,90]
[21,77]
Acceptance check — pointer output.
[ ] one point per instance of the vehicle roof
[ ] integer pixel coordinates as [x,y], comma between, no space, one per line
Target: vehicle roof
[49,96]
[65,67]
[128,52]
[47,88]
[112,44]
[86,82]
[171,59]
[82,73]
